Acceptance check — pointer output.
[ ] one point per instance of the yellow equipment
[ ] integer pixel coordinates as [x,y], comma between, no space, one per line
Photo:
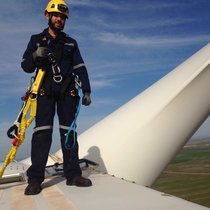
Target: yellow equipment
[30,105]
[59,6]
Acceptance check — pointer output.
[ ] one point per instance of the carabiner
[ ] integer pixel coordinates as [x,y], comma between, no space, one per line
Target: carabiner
[57,78]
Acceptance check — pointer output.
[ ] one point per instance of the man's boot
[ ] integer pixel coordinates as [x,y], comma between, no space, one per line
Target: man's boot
[79,181]
[33,189]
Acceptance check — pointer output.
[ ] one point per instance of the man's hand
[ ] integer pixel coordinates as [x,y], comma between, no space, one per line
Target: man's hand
[86,100]
[41,52]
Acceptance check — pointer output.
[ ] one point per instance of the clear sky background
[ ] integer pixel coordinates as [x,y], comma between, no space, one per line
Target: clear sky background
[126,45]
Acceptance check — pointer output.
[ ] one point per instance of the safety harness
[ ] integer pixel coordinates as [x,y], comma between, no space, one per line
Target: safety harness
[57,77]
[29,106]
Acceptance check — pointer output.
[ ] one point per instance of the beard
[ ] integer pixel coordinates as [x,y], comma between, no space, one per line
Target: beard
[53,26]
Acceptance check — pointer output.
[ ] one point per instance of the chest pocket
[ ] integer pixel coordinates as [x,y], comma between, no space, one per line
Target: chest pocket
[68,50]
[67,61]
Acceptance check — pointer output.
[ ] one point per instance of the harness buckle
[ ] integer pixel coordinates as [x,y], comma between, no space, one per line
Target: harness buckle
[57,78]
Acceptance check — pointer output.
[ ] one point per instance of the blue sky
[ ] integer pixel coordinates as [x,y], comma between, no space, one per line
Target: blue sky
[126,45]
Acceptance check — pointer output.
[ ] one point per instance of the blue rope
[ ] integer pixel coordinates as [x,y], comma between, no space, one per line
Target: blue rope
[72,127]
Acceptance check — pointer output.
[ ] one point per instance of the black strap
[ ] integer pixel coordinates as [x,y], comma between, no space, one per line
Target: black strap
[68,81]
[59,46]
[59,43]
[57,77]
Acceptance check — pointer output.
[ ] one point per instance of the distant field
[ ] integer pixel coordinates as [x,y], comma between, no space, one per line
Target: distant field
[188,175]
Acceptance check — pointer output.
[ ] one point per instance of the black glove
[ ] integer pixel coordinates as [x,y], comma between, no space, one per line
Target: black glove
[86,100]
[11,131]
[40,53]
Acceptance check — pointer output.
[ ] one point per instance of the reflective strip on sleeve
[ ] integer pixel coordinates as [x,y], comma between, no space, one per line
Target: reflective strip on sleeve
[23,60]
[69,44]
[78,66]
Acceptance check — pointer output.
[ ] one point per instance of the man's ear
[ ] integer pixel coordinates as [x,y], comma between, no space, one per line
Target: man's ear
[47,15]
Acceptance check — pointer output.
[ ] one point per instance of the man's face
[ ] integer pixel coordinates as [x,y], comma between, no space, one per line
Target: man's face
[57,21]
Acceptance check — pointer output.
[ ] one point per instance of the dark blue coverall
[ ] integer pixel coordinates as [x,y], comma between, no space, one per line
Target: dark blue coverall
[52,97]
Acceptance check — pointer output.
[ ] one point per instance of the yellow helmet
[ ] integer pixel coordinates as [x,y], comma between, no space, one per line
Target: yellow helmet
[59,6]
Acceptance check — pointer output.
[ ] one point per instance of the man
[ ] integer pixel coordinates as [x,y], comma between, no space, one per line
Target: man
[57,92]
